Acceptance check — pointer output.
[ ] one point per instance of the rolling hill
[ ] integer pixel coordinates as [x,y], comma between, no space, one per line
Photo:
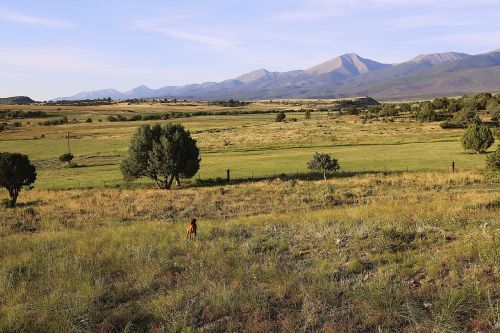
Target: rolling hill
[348,75]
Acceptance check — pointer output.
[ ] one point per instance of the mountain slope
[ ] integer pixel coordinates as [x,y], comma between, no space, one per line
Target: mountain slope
[349,75]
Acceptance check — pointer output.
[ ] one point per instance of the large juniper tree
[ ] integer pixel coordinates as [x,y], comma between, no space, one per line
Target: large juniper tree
[162,154]
[16,172]
[477,138]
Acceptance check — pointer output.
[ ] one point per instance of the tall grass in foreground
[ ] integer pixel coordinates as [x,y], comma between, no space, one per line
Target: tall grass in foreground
[412,252]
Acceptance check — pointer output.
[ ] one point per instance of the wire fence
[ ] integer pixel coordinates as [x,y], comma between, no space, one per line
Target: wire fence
[234,176]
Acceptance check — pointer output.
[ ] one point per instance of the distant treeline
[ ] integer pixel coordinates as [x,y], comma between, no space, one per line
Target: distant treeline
[85,102]
[177,114]
[453,112]
[18,114]
[231,103]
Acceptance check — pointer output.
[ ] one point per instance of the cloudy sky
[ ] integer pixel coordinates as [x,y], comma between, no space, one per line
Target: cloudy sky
[60,47]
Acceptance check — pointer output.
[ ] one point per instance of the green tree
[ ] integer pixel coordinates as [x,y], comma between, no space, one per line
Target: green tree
[323,163]
[16,172]
[66,158]
[477,138]
[280,117]
[426,112]
[465,117]
[493,160]
[162,154]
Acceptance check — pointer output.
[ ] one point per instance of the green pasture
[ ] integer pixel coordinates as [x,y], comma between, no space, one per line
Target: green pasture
[99,159]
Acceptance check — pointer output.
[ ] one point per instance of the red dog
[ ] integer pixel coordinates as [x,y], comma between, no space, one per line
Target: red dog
[191,229]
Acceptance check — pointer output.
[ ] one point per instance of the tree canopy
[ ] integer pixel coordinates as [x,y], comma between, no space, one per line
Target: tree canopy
[162,154]
[16,172]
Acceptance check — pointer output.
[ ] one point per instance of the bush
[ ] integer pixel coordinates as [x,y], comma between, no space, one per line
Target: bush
[280,117]
[493,160]
[307,114]
[62,121]
[449,124]
[112,119]
[66,158]
[89,120]
[477,138]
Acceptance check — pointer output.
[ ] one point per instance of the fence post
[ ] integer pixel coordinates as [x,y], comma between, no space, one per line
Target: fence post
[453,166]
[228,175]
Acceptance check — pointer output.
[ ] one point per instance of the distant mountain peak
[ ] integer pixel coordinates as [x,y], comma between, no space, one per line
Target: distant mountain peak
[254,75]
[440,58]
[449,73]
[349,64]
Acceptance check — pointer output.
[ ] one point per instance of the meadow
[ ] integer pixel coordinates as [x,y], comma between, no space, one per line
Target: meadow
[394,242]
[250,145]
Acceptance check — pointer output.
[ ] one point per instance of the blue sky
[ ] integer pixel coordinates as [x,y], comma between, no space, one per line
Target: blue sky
[61,47]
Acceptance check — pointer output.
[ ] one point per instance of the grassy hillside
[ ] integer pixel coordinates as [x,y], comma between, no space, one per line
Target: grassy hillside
[410,252]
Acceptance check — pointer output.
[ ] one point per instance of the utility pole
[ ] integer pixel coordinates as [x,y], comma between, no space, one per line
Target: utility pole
[69,150]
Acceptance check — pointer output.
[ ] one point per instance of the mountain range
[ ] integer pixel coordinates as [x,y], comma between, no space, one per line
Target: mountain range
[348,75]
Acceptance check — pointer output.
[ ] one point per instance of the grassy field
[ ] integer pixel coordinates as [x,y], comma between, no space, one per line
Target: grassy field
[395,242]
[251,145]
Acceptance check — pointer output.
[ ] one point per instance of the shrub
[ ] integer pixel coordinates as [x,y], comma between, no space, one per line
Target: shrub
[280,117]
[493,160]
[89,120]
[449,124]
[307,114]
[477,138]
[112,119]
[66,158]
[16,172]
[62,121]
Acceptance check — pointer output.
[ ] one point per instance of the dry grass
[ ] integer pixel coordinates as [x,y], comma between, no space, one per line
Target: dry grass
[410,252]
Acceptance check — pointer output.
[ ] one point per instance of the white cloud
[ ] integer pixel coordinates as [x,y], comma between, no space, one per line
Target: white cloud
[322,9]
[201,38]
[466,38]
[424,21]
[16,17]
[71,61]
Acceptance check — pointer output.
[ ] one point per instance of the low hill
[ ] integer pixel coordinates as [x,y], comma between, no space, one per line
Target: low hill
[16,100]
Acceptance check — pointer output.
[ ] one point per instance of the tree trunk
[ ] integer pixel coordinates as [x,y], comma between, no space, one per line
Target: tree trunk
[324,175]
[13,194]
[170,181]
[177,180]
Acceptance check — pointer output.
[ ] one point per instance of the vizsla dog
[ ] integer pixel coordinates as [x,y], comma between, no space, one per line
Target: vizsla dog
[191,229]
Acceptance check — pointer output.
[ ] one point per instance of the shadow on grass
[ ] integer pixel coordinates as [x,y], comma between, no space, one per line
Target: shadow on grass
[306,176]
